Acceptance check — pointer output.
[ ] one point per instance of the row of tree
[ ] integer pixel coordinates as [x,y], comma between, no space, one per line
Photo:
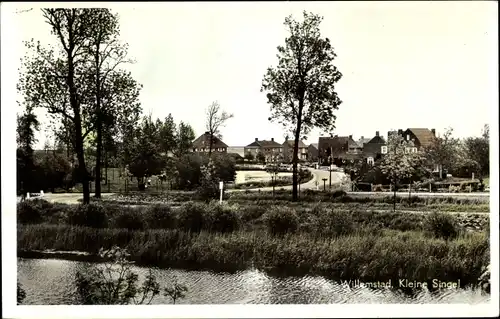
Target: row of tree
[79,82]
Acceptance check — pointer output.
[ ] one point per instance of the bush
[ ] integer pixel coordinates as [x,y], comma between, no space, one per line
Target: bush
[130,219]
[160,216]
[335,223]
[89,215]
[339,194]
[221,219]
[29,212]
[442,225]
[281,220]
[192,216]
[378,188]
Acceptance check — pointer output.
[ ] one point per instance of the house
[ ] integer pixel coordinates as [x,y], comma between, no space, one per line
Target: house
[288,146]
[362,140]
[374,148]
[271,150]
[312,152]
[421,137]
[202,144]
[337,150]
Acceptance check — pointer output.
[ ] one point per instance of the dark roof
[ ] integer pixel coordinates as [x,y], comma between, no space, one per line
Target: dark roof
[424,136]
[291,143]
[315,145]
[265,144]
[204,141]
[376,140]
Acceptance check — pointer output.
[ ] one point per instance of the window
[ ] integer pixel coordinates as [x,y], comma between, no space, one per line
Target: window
[370,160]
[414,150]
[384,149]
[407,150]
[408,137]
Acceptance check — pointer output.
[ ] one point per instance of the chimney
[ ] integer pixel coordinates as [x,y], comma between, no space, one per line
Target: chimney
[350,136]
[256,139]
[377,133]
[362,137]
[272,139]
[336,135]
[207,133]
[433,131]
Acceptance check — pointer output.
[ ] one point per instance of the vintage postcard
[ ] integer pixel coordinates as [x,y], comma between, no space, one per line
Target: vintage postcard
[250,159]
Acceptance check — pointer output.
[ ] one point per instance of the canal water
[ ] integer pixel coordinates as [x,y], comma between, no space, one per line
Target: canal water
[51,282]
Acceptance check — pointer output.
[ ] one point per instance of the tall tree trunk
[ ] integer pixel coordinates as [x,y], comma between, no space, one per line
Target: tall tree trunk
[78,125]
[99,124]
[98,159]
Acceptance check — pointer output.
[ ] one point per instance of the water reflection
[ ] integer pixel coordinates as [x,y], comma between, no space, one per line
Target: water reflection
[51,282]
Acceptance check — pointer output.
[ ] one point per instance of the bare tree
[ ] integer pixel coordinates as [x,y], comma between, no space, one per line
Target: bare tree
[216,119]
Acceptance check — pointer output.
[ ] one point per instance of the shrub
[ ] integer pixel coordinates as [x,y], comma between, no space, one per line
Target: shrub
[221,219]
[160,216]
[335,223]
[129,219]
[281,220]
[115,283]
[90,215]
[442,225]
[192,216]
[378,188]
[339,194]
[29,212]
[249,213]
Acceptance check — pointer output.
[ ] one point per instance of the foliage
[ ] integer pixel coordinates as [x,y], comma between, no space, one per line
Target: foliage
[144,156]
[442,225]
[368,256]
[114,282]
[399,164]
[188,169]
[221,218]
[129,219]
[216,119]
[56,79]
[192,217]
[444,151]
[260,157]
[209,183]
[21,294]
[160,216]
[29,212]
[27,124]
[90,215]
[175,291]
[184,138]
[477,150]
[301,88]
[282,220]
[335,223]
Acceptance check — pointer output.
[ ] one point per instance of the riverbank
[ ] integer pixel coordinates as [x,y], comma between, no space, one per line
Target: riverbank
[279,238]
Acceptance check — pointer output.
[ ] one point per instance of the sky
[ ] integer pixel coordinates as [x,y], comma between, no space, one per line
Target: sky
[404,64]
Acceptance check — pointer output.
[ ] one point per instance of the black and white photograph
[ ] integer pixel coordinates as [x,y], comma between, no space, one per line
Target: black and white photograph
[249,159]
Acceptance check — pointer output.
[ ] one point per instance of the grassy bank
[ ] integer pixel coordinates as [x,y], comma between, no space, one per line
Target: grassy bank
[359,255]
